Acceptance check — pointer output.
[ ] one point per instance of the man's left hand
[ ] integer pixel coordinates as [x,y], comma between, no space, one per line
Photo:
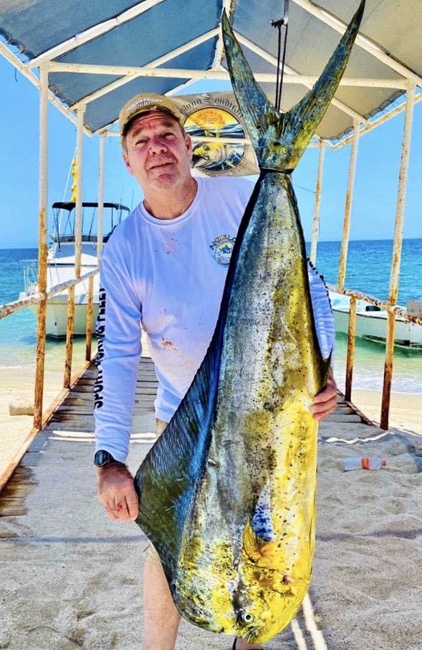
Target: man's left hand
[325,402]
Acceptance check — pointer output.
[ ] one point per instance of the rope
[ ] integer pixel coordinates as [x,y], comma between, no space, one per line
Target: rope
[282,24]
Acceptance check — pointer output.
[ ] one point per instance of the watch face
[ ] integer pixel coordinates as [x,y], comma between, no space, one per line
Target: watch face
[102,457]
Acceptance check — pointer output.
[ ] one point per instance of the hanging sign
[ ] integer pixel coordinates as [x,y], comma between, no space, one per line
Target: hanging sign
[214,122]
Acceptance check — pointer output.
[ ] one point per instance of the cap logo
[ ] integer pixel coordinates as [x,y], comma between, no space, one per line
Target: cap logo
[142,102]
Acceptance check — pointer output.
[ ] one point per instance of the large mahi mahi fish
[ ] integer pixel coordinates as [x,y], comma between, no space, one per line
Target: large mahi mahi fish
[227,494]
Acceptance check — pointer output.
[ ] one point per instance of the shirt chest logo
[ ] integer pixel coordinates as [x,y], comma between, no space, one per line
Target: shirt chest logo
[222,248]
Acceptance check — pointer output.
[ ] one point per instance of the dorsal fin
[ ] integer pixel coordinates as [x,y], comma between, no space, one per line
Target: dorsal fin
[168,477]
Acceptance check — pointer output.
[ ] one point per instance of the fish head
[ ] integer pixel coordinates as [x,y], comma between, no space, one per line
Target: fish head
[248,622]
[265,602]
[270,589]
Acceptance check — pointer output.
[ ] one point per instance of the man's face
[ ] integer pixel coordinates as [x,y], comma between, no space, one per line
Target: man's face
[157,153]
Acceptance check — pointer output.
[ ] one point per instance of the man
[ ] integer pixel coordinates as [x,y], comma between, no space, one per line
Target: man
[165,268]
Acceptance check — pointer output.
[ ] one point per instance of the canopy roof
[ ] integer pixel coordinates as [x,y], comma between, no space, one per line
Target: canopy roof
[160,45]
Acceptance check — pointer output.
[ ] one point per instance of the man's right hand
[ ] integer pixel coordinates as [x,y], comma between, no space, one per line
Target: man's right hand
[116,491]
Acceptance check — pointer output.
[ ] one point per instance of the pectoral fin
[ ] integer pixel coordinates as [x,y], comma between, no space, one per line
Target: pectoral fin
[258,550]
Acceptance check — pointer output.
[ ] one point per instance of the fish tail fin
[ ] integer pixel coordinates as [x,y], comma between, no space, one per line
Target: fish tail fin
[305,117]
[257,110]
[280,140]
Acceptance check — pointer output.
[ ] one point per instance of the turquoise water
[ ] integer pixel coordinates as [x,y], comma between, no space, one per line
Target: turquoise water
[18,332]
[368,269]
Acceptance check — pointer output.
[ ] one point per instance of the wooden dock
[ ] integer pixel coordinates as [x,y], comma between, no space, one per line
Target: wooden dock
[76,411]
[73,421]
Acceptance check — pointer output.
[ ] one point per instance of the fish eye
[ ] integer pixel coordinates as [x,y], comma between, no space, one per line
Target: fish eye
[246,618]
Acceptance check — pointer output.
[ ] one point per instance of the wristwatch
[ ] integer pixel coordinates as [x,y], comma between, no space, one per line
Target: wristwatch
[103,458]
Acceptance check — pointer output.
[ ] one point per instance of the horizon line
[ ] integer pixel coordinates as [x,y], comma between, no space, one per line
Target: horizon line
[320,241]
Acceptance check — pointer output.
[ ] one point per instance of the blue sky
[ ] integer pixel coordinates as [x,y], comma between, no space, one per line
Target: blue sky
[375,188]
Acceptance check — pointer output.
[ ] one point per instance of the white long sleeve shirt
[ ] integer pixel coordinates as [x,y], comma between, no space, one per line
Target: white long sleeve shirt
[167,276]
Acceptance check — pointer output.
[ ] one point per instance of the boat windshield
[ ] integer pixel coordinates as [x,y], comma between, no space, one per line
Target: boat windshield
[64,214]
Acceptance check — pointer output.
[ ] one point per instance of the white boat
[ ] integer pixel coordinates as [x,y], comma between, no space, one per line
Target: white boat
[61,263]
[371,322]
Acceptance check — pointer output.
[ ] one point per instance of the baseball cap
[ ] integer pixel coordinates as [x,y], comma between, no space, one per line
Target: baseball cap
[145,103]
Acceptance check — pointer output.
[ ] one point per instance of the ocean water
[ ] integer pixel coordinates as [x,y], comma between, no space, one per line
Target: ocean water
[18,332]
[368,269]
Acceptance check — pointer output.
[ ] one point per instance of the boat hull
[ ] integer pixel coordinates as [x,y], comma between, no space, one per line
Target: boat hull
[56,325]
[372,325]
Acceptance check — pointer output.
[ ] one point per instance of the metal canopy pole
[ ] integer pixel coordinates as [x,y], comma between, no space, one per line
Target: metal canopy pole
[100,229]
[395,263]
[78,249]
[348,207]
[101,197]
[317,202]
[78,216]
[194,73]
[42,248]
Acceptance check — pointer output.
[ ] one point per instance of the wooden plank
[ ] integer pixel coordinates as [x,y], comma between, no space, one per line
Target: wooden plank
[149,382]
[149,372]
[23,474]
[81,398]
[84,421]
[75,416]
[86,427]
[6,534]
[15,490]
[12,511]
[338,417]
[89,397]
[11,501]
[89,390]
[16,459]
[88,402]
[75,410]
[61,426]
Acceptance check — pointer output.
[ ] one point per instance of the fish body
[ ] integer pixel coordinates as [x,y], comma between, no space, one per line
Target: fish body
[227,494]
[251,536]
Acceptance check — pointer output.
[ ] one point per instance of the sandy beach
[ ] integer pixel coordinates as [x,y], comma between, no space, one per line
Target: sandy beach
[19,384]
[405,410]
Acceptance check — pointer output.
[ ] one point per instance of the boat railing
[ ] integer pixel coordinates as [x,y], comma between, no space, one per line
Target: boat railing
[30,280]
[41,416]
[392,312]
